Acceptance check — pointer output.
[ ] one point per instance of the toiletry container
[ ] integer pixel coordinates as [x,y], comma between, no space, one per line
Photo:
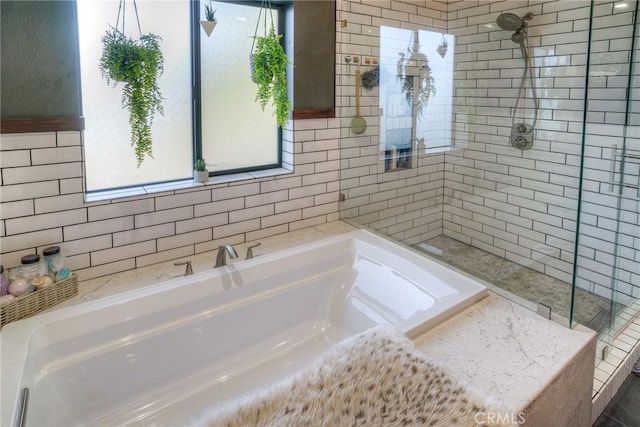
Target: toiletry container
[4,281]
[54,262]
[33,271]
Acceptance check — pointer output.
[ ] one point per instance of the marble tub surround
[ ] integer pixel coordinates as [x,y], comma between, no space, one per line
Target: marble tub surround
[500,348]
[348,379]
[590,310]
[532,365]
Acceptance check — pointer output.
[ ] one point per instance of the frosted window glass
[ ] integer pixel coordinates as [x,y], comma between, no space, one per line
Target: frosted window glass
[110,159]
[236,133]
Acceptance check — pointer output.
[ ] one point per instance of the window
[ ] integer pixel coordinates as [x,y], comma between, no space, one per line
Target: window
[209,107]
[416,94]
[236,133]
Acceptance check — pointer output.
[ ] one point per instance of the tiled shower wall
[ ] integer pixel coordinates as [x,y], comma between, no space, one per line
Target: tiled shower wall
[43,204]
[520,205]
[403,204]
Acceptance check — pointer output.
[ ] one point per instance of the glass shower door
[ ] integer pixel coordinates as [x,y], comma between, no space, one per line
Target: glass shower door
[608,250]
[625,180]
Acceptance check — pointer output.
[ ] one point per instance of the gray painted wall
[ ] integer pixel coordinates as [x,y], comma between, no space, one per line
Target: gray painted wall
[39,71]
[314,53]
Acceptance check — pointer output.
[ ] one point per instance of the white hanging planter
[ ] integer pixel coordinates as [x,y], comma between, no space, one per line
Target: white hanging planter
[208,26]
[442,48]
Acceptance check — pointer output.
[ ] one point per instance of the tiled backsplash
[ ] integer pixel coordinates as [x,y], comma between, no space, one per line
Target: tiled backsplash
[43,204]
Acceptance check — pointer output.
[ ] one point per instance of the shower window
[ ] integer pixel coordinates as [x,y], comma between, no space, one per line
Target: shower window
[416,94]
[209,98]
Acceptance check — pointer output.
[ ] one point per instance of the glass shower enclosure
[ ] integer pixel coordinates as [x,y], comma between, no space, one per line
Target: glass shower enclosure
[608,244]
[504,140]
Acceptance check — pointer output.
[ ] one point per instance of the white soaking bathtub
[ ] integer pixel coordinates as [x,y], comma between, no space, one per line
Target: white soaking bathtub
[161,354]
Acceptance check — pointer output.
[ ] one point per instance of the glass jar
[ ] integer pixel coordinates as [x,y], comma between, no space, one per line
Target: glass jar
[31,266]
[4,281]
[53,260]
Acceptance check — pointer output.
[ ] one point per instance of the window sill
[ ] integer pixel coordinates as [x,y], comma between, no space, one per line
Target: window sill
[437,150]
[147,190]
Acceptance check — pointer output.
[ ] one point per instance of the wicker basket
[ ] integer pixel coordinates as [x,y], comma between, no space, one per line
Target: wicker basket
[35,302]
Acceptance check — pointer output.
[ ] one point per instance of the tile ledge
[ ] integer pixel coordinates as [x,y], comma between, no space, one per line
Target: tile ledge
[142,190]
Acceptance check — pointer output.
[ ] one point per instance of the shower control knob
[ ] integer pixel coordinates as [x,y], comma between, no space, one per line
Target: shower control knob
[522,128]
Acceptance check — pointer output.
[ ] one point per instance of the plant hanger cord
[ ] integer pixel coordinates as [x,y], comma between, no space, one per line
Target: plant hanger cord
[263,5]
[268,63]
[122,11]
[137,64]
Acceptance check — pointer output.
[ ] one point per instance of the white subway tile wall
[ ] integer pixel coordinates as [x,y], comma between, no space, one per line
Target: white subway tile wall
[406,204]
[42,204]
[520,205]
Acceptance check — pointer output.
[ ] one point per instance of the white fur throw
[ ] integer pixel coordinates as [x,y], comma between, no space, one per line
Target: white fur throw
[377,378]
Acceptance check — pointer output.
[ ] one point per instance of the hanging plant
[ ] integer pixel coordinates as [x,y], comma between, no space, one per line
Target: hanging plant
[443,46]
[410,65]
[371,78]
[269,71]
[137,64]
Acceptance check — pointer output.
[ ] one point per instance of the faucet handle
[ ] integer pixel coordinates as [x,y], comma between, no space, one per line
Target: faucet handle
[189,270]
[250,250]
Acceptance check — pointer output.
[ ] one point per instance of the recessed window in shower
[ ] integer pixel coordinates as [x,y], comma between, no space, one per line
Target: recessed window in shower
[416,95]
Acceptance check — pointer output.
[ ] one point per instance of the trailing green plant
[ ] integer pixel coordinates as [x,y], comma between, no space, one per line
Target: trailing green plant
[371,78]
[137,64]
[269,71]
[200,165]
[209,12]
[426,85]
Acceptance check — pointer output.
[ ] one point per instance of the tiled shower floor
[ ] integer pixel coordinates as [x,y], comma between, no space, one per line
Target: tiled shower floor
[590,310]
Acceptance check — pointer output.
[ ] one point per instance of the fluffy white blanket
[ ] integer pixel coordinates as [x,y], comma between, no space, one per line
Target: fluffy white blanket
[377,378]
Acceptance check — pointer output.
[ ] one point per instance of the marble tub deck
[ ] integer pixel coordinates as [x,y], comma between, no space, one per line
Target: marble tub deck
[500,349]
[590,310]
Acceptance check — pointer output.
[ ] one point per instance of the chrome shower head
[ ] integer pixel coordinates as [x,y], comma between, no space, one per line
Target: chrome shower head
[518,37]
[510,22]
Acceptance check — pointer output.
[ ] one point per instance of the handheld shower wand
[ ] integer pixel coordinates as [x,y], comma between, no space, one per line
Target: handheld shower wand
[521,133]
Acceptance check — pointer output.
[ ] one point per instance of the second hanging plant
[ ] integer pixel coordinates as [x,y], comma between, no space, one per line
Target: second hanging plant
[269,71]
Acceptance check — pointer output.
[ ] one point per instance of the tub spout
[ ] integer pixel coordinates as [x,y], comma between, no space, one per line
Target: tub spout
[221,258]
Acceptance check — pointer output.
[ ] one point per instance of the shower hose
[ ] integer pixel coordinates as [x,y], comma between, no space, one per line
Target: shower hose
[528,69]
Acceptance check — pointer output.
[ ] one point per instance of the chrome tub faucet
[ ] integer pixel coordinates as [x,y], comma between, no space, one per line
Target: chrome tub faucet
[221,258]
